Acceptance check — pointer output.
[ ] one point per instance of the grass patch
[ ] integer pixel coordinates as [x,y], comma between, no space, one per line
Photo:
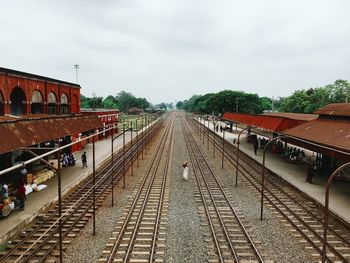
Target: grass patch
[3,247]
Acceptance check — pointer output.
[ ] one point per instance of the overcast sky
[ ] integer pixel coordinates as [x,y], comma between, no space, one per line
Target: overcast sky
[168,50]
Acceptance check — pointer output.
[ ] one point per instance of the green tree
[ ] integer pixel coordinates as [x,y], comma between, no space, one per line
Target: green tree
[179,105]
[110,102]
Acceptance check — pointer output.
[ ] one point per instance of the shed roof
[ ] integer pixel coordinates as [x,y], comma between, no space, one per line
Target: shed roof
[327,132]
[335,109]
[271,123]
[293,116]
[23,133]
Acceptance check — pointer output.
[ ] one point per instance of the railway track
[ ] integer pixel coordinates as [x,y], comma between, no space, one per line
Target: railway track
[140,234]
[298,211]
[231,239]
[39,242]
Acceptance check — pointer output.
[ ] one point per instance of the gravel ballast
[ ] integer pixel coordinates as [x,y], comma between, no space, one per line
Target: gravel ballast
[86,247]
[277,241]
[185,238]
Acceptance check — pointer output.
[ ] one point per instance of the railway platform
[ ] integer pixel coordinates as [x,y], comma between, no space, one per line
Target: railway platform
[38,202]
[295,174]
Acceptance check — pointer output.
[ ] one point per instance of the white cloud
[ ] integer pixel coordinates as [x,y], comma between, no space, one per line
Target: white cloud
[170,50]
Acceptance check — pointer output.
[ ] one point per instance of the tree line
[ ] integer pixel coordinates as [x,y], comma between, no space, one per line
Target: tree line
[301,101]
[226,100]
[309,100]
[122,101]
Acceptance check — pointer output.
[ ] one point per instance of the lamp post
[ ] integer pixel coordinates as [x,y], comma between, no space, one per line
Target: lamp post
[263,175]
[59,205]
[138,145]
[223,147]
[326,209]
[237,155]
[93,187]
[76,66]
[203,129]
[132,150]
[208,135]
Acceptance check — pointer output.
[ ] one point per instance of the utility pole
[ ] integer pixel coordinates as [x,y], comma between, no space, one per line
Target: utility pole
[76,66]
[273,100]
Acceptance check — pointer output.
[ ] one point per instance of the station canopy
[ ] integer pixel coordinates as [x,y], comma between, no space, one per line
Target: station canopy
[17,133]
[273,122]
[331,130]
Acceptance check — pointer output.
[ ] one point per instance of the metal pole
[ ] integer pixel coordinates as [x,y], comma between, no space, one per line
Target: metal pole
[214,139]
[123,155]
[138,145]
[94,186]
[147,134]
[223,149]
[203,127]
[132,152]
[143,137]
[208,136]
[112,176]
[59,205]
[263,176]
[237,155]
[326,209]
[200,128]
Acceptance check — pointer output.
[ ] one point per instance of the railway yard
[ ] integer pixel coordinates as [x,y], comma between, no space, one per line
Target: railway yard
[138,208]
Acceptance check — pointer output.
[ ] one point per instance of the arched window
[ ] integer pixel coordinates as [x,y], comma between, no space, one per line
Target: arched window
[18,101]
[37,102]
[64,104]
[2,102]
[51,103]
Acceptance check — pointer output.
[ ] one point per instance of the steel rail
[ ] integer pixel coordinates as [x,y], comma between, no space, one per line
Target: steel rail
[86,185]
[314,232]
[240,223]
[161,198]
[69,213]
[143,207]
[123,228]
[229,203]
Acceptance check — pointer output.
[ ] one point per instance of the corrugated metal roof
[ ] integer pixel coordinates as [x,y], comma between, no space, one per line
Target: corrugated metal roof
[37,116]
[293,116]
[271,123]
[331,133]
[335,109]
[22,133]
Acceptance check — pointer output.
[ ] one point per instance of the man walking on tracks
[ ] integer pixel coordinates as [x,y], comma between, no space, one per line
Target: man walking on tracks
[84,160]
[185,172]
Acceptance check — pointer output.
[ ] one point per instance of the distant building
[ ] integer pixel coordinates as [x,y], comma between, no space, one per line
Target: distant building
[134,111]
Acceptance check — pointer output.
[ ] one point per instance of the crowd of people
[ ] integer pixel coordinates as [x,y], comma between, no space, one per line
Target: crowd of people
[68,160]
[294,154]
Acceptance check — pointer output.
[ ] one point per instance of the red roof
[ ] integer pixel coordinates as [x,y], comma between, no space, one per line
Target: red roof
[22,133]
[271,123]
[293,116]
[330,133]
[335,109]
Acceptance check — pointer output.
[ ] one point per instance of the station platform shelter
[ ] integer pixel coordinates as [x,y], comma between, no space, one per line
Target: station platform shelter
[325,133]
[39,202]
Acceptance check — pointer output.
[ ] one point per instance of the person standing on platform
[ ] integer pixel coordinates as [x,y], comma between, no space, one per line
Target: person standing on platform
[185,172]
[84,160]
[256,145]
[5,190]
[21,195]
